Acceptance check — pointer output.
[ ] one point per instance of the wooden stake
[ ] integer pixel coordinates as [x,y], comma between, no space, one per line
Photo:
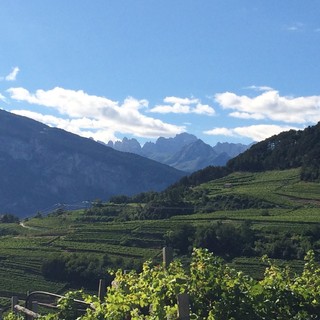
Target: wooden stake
[167,254]
[102,289]
[183,306]
[14,302]
[35,306]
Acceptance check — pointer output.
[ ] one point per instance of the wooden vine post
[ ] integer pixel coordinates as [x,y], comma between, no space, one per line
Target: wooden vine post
[102,289]
[182,299]
[167,254]
[183,306]
[14,302]
[16,308]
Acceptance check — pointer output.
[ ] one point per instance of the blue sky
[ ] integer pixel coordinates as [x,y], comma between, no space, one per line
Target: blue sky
[223,70]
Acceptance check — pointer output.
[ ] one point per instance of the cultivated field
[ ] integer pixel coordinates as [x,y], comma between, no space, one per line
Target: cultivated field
[294,212]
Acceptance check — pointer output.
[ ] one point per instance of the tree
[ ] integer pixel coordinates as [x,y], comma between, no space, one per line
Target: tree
[9,218]
[181,238]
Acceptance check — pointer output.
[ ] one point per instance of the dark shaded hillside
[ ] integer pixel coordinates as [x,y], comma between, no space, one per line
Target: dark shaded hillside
[290,149]
[41,166]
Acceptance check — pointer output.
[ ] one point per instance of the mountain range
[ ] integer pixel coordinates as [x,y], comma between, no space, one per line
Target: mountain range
[41,166]
[184,152]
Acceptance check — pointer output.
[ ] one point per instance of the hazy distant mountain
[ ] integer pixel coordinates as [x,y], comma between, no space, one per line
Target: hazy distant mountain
[164,148]
[231,149]
[126,145]
[184,152]
[193,156]
[41,166]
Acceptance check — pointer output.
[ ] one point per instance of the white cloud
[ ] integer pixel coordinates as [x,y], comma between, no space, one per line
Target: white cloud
[12,75]
[297,26]
[2,98]
[292,28]
[176,100]
[67,102]
[183,106]
[99,115]
[246,115]
[220,132]
[84,127]
[270,105]
[203,109]
[259,88]
[255,132]
[176,108]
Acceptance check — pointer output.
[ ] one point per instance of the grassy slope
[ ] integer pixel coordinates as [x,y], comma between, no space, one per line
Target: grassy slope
[21,255]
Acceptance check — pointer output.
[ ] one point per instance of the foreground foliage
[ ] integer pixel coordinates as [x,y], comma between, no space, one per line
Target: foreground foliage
[216,291]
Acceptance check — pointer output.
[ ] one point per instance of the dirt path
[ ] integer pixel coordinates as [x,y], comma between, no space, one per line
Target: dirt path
[28,227]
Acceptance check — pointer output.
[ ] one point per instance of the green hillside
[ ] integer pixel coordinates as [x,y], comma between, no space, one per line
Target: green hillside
[240,217]
[289,149]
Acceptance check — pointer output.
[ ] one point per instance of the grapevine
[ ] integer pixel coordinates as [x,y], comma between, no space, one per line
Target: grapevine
[216,292]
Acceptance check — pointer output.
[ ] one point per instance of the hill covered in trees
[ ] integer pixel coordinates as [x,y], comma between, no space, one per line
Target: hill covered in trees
[287,150]
[290,149]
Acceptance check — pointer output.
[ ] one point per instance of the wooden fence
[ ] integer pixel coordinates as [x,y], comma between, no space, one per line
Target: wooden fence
[32,303]
[44,299]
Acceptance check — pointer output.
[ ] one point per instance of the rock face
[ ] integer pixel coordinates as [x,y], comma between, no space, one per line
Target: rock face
[184,152]
[41,166]
[193,156]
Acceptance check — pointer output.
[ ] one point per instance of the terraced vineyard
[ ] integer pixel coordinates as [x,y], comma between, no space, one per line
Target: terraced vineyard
[294,210]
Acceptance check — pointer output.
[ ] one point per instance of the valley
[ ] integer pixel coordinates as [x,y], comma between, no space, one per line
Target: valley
[279,212]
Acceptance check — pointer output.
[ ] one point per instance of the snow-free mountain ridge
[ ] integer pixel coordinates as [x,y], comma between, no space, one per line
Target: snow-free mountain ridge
[41,166]
[184,152]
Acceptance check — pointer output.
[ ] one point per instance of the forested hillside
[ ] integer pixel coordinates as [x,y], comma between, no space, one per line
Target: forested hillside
[291,149]
[287,150]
